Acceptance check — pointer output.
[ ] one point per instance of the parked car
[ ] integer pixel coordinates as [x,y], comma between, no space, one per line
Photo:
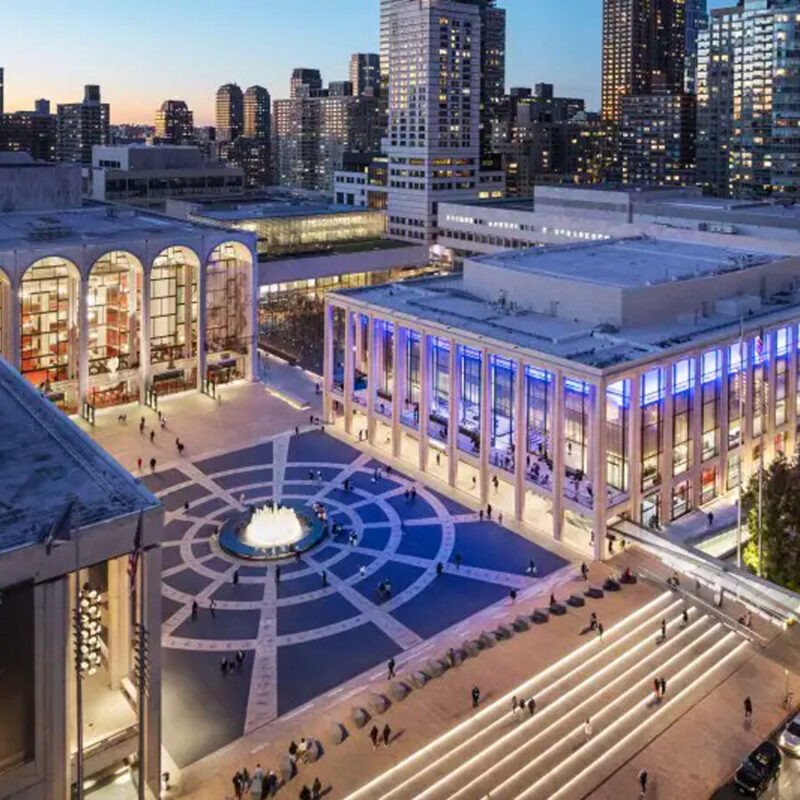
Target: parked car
[759,769]
[789,740]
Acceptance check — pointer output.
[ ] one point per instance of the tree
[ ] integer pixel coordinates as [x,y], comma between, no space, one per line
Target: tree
[780,523]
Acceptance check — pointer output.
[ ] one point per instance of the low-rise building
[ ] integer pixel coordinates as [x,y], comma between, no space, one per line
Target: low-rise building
[571,386]
[147,175]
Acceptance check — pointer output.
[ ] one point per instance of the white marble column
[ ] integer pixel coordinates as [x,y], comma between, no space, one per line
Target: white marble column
[348,371]
[557,454]
[486,420]
[83,339]
[425,359]
[202,313]
[454,401]
[398,389]
[15,325]
[252,371]
[328,366]
[722,419]
[144,338]
[150,567]
[372,376]
[520,419]
[597,461]
[635,446]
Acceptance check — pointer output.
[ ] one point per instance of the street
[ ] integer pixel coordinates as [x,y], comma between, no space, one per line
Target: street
[786,788]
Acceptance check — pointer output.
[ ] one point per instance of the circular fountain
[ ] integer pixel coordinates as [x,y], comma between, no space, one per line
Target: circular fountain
[272,531]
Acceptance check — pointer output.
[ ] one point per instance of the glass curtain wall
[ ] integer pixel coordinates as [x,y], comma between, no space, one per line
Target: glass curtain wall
[577,404]
[539,388]
[760,384]
[338,321]
[173,306]
[682,400]
[711,375]
[413,356]
[469,415]
[618,400]
[503,374]
[737,358]
[782,348]
[384,331]
[227,299]
[652,400]
[440,388]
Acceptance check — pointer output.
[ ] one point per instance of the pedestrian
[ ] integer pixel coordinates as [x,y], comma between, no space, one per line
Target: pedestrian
[391,666]
[237,785]
[457,560]
[514,706]
[223,666]
[587,730]
[531,706]
[373,734]
[316,789]
[663,630]
[362,571]
[684,618]
[552,599]
[152,436]
[139,464]
[488,511]
[324,576]
[239,659]
[141,425]
[532,569]
[480,515]
[163,423]
[236,576]
[600,630]
[186,506]
[474,482]
[643,782]
[438,459]
[277,573]
[406,495]
[476,696]
[212,606]
[413,493]
[439,569]
[748,707]
[657,689]
[152,465]
[593,621]
[271,783]
[710,518]
[512,596]
[500,518]
[194,610]
[585,571]
[305,793]
[662,685]
[387,734]
[180,446]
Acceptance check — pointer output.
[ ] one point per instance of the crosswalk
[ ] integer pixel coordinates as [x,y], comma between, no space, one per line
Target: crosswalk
[610,682]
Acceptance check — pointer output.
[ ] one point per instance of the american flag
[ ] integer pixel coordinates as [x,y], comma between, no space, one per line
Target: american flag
[133,556]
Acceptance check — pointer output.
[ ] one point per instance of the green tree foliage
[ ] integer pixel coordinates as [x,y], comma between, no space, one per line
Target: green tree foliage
[780,523]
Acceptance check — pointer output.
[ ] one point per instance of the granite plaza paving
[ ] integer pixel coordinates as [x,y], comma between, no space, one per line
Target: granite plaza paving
[302,639]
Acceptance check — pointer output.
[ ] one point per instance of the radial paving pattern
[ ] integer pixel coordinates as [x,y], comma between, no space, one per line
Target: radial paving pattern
[301,638]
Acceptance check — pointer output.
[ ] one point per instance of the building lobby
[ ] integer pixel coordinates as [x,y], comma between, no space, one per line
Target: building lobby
[572,386]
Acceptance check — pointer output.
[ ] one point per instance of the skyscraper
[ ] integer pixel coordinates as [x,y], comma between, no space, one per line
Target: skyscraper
[748,93]
[174,122]
[434,82]
[365,73]
[2,100]
[305,82]
[257,113]
[644,44]
[696,21]
[79,126]
[230,112]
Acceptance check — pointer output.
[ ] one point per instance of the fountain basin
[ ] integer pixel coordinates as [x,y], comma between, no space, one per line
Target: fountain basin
[237,540]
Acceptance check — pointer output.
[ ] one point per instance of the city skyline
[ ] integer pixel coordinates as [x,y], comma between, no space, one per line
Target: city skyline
[276,38]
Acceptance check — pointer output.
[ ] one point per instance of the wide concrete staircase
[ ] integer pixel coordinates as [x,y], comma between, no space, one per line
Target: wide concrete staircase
[609,682]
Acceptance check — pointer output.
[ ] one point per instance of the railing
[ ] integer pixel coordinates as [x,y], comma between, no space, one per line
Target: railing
[779,604]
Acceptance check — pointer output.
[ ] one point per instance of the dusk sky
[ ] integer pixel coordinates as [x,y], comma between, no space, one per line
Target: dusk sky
[144,52]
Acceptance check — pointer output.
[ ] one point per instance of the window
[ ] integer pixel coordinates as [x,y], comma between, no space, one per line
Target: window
[617,409]
[652,387]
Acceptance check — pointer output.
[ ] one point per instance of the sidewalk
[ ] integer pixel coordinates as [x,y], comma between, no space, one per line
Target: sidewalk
[693,527]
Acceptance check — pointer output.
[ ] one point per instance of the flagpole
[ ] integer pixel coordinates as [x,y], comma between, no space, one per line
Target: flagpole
[741,444]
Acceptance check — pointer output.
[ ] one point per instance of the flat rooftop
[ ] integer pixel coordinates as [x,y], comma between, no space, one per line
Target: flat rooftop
[241,212]
[45,459]
[86,225]
[451,302]
[628,263]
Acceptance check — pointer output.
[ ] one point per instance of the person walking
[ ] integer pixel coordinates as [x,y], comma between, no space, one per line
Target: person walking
[600,630]
[373,735]
[387,734]
[212,606]
[236,576]
[587,731]
[512,596]
[514,706]
[531,706]
[662,686]
[480,515]
[488,511]
[316,789]
[439,569]
[684,618]
[643,782]
[152,465]
[305,793]
[391,666]
[139,464]
[593,621]
[152,436]
[584,572]
[457,560]
[657,689]
[532,569]
[237,785]
[663,630]
[194,610]
[476,696]
[748,707]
